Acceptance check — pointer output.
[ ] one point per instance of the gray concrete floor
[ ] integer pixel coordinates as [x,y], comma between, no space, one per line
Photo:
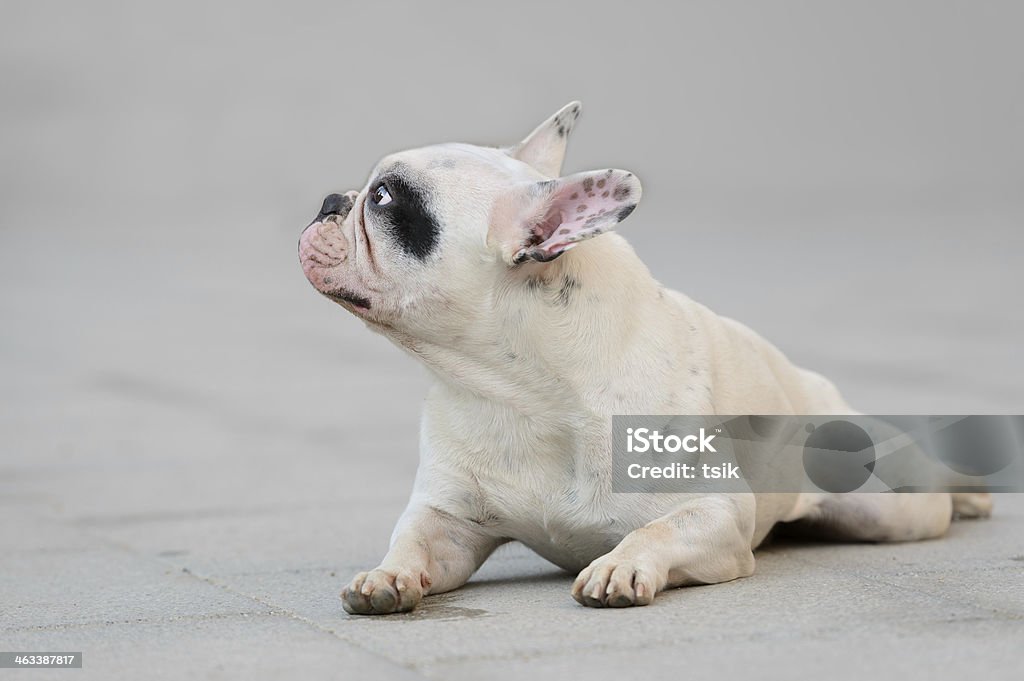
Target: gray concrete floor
[196,451]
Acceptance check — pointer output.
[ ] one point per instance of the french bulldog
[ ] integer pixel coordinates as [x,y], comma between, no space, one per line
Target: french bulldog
[538,323]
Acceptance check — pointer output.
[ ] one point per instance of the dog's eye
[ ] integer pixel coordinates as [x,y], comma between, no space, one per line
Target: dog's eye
[381,196]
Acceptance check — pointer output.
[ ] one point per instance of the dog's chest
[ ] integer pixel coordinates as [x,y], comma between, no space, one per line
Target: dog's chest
[559,506]
[544,483]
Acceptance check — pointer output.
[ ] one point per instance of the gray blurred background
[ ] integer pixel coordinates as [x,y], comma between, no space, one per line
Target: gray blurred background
[845,177]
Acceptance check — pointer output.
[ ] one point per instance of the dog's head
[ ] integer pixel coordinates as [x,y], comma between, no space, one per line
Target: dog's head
[436,230]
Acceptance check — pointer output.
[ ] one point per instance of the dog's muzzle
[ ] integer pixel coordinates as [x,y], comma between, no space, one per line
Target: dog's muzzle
[324,252]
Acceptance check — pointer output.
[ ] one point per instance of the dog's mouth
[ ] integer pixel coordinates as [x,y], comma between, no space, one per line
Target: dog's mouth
[357,301]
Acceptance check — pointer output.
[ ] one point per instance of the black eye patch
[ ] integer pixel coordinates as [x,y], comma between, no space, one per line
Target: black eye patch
[408,218]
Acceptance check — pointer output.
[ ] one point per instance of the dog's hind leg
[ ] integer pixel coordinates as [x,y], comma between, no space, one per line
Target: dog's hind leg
[705,541]
[878,517]
[972,505]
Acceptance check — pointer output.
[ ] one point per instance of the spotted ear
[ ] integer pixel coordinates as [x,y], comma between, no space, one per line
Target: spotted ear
[544,148]
[540,221]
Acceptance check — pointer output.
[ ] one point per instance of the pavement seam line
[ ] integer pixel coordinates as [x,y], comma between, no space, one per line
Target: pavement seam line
[302,618]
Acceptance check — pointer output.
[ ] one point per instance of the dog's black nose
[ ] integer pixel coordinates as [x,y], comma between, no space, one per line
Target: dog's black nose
[336,204]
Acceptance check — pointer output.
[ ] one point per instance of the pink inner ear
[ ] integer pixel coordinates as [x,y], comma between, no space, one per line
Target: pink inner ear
[547,227]
[584,206]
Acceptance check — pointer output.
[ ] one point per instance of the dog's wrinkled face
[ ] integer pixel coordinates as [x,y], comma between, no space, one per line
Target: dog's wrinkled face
[429,234]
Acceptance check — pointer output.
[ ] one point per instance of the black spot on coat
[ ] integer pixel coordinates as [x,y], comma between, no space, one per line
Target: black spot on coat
[566,290]
[408,218]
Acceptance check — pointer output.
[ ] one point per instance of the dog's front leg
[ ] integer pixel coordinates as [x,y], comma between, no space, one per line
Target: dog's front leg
[431,552]
[704,541]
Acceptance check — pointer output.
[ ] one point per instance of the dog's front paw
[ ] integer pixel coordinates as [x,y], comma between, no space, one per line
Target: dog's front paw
[383,591]
[616,583]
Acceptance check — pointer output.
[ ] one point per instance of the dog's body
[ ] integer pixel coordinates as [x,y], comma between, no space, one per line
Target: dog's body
[465,256]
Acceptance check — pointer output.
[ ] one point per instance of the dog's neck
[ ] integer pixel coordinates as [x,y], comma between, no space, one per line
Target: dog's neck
[548,335]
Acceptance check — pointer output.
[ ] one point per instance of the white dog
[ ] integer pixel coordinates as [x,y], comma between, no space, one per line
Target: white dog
[481,262]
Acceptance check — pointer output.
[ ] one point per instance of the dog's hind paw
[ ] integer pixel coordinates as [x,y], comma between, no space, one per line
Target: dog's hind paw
[612,583]
[384,591]
[972,505]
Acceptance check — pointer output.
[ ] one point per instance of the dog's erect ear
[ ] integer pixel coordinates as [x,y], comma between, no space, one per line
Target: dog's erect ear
[542,220]
[544,148]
